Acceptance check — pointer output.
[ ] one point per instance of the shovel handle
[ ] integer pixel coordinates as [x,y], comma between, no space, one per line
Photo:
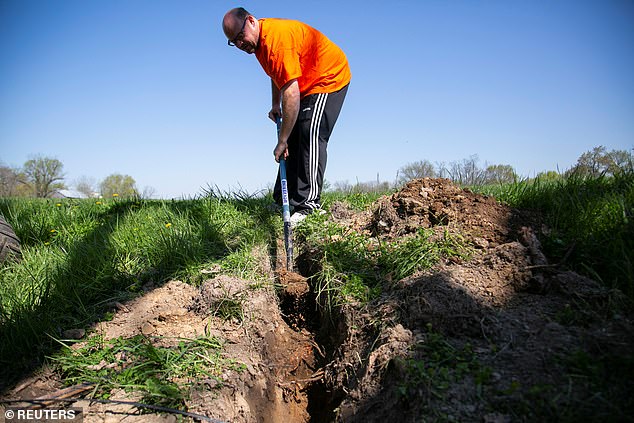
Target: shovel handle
[286,209]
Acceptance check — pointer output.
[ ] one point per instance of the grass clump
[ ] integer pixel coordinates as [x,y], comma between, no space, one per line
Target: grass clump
[435,365]
[606,380]
[354,266]
[422,251]
[347,262]
[356,200]
[162,375]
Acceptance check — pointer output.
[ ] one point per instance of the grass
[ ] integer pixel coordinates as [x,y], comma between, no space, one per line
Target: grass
[162,375]
[81,255]
[354,266]
[598,390]
[357,200]
[435,365]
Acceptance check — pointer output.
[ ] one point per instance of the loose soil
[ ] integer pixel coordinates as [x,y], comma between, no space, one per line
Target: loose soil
[503,336]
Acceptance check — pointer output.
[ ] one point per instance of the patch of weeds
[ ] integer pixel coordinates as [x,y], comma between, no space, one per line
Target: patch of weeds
[353,267]
[163,375]
[345,261]
[437,366]
[533,402]
[422,251]
[583,313]
[539,402]
[228,308]
[326,285]
[575,315]
[599,389]
[356,200]
[244,264]
[607,383]
[354,288]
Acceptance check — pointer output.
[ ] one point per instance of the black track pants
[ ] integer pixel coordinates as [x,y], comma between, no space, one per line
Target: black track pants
[307,145]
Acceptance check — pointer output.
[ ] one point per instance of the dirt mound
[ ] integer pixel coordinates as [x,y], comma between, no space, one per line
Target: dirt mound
[497,338]
[437,203]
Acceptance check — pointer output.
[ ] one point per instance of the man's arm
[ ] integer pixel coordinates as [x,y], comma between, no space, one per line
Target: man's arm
[289,96]
[276,101]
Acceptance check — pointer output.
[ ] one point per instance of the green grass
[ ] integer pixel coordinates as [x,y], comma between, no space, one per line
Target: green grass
[355,267]
[606,382]
[162,375]
[589,221]
[81,255]
[598,390]
[435,365]
[358,200]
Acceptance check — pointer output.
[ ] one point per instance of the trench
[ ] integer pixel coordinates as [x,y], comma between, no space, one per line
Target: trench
[300,310]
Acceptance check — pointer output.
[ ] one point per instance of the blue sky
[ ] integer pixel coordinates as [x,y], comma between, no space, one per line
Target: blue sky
[149,88]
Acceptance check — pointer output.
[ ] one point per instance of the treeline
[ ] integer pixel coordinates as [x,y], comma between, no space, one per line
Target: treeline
[468,172]
[43,177]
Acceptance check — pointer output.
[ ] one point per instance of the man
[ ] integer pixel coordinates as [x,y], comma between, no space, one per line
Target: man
[309,80]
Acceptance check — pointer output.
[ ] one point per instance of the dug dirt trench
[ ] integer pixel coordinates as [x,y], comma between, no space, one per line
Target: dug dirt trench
[299,309]
[280,340]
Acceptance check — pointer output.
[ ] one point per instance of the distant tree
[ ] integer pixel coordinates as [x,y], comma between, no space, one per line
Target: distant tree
[549,176]
[621,161]
[148,192]
[44,175]
[346,187]
[416,170]
[86,186]
[467,172]
[9,181]
[499,174]
[341,186]
[599,161]
[117,185]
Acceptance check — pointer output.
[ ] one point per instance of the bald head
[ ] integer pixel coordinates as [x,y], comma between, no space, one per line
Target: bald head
[232,21]
[242,29]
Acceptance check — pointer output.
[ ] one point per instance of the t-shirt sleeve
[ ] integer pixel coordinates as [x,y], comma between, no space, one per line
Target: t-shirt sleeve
[284,66]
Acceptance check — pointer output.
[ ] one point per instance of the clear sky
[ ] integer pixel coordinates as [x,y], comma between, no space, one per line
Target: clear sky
[149,88]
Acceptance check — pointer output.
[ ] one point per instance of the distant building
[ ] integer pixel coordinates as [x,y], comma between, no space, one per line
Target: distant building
[68,193]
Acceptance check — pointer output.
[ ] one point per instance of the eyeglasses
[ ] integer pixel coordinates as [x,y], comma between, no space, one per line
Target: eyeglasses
[240,35]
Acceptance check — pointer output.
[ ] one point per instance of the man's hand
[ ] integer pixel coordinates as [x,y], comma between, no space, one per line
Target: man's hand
[281,151]
[275,113]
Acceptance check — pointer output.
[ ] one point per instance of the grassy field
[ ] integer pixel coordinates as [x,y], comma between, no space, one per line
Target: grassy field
[80,256]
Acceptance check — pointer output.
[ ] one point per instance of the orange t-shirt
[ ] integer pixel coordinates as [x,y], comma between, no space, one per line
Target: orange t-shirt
[291,49]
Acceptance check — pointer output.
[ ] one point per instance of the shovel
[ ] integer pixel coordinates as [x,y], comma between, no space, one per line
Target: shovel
[286,210]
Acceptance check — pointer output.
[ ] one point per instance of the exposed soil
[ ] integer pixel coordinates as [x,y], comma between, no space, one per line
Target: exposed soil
[503,326]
